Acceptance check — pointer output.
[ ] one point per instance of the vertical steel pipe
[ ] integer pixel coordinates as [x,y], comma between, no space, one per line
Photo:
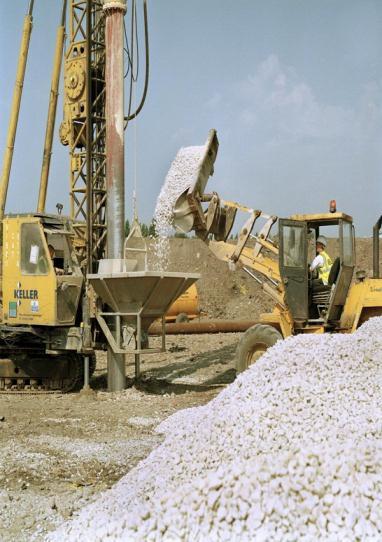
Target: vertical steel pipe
[376,229]
[17,93]
[115,163]
[86,373]
[60,38]
[89,138]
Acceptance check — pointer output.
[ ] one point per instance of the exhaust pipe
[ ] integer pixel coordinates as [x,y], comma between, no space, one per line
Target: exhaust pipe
[376,229]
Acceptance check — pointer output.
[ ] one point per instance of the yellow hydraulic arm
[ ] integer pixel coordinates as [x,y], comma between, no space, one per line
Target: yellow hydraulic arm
[251,258]
[60,38]
[17,93]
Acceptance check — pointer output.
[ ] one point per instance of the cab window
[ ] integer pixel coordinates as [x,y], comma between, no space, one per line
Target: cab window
[63,258]
[293,243]
[347,243]
[34,259]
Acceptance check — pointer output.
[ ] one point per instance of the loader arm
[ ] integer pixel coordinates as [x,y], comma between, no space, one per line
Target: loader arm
[239,253]
[263,265]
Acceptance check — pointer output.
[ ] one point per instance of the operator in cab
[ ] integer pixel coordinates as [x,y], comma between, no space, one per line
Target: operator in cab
[322,262]
[52,254]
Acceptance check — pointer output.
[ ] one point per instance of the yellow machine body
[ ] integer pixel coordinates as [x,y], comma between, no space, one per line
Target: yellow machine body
[33,292]
[364,300]
[187,303]
[361,301]
[322,218]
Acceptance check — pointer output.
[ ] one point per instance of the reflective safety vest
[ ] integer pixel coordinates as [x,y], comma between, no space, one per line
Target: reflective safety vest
[323,271]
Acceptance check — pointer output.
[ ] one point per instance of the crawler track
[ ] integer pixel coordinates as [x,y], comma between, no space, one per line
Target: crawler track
[41,373]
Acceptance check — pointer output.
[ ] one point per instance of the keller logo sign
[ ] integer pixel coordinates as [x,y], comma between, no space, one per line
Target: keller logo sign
[18,293]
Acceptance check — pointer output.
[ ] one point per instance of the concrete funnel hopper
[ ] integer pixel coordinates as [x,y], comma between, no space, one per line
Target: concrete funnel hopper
[148,293]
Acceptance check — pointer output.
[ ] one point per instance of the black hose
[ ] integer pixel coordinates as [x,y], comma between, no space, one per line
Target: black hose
[134,28]
[143,99]
[127,51]
[134,40]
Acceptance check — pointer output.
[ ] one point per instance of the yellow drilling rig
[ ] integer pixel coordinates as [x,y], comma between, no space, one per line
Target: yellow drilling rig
[279,261]
[72,285]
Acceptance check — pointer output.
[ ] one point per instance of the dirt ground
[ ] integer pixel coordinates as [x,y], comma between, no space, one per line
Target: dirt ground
[58,452]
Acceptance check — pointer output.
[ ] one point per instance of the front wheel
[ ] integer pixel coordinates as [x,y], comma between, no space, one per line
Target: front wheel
[252,345]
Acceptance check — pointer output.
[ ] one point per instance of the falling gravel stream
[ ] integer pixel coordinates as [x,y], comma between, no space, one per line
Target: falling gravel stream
[181,175]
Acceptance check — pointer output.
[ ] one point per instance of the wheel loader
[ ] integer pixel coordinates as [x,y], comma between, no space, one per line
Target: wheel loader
[278,258]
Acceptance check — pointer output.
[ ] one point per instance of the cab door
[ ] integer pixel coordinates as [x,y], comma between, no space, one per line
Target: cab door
[29,280]
[293,266]
[343,282]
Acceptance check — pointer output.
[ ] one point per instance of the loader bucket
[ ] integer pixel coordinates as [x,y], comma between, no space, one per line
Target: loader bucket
[182,215]
[188,213]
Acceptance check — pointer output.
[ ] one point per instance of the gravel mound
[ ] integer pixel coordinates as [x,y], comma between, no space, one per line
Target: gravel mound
[292,450]
[181,175]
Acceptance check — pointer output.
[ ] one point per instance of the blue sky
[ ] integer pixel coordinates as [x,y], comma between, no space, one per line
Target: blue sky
[293,87]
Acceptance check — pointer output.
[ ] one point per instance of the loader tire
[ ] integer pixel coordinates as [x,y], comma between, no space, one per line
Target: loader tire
[253,344]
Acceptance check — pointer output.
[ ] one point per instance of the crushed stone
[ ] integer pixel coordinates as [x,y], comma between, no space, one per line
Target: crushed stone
[116,452]
[291,450]
[143,421]
[181,175]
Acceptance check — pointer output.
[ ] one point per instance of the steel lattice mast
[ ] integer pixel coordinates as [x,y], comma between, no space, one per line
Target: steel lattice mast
[84,129]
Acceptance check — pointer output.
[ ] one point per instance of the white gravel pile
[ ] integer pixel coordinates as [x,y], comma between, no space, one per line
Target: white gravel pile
[291,451]
[181,175]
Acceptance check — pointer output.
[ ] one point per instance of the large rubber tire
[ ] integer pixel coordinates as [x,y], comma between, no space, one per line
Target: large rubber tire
[253,344]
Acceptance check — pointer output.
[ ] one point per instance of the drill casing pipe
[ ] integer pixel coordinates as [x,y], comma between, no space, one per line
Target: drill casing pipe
[115,162]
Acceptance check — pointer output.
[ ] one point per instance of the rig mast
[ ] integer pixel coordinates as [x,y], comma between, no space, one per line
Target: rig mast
[84,127]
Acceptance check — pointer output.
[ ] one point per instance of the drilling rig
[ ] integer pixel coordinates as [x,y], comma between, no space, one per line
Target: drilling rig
[72,285]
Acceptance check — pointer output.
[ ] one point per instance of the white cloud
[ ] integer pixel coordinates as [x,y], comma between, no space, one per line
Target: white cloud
[286,140]
[276,100]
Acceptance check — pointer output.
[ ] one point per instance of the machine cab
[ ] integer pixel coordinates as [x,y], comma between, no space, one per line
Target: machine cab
[308,300]
[42,280]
